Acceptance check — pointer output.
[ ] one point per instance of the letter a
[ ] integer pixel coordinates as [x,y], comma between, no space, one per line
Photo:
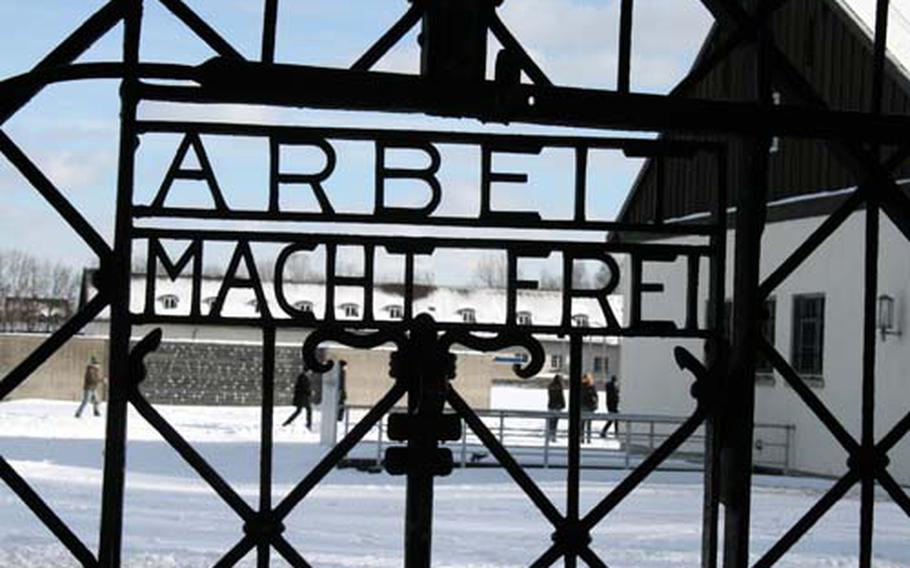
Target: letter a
[177,171]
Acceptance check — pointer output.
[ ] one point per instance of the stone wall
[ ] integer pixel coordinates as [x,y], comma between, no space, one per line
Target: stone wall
[224,373]
[216,374]
[230,374]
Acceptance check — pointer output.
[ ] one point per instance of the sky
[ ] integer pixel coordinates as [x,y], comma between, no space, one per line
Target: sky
[71,130]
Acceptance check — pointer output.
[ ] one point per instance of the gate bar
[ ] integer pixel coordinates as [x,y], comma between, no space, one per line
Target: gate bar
[117,279]
[870,294]
[265,447]
[739,391]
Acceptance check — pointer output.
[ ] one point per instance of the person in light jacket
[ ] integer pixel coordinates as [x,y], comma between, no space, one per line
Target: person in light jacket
[589,401]
[90,383]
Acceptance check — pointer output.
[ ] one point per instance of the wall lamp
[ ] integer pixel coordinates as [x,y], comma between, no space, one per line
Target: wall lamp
[886,317]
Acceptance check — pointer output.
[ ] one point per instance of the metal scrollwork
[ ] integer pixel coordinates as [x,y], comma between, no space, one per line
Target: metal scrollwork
[503,340]
[347,338]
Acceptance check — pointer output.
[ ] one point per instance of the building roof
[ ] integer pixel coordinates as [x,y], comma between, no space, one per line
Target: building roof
[443,303]
[830,42]
[898,44]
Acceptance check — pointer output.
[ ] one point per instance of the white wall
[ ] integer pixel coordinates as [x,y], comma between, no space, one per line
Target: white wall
[651,380]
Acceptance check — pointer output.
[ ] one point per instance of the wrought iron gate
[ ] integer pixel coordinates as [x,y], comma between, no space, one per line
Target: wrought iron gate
[453,83]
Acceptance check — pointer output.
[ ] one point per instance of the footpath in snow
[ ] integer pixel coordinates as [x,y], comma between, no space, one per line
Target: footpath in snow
[482,519]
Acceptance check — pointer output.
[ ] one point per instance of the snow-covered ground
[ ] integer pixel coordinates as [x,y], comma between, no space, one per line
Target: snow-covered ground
[482,519]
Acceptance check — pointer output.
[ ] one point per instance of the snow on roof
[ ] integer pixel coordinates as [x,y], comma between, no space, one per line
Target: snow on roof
[443,303]
[898,44]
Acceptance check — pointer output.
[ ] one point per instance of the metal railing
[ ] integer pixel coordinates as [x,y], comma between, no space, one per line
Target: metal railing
[632,437]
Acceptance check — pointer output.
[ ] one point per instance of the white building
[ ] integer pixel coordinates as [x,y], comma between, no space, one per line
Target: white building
[816,314]
[172,298]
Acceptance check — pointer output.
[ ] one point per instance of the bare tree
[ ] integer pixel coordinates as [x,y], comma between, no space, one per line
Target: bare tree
[425,277]
[581,277]
[36,295]
[490,271]
[549,281]
[602,276]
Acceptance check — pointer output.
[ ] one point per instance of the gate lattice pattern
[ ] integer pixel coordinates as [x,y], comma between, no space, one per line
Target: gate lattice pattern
[422,365]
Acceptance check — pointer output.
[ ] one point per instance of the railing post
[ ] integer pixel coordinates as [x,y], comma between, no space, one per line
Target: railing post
[651,435]
[378,441]
[628,444]
[788,431]
[546,443]
[464,447]
[502,439]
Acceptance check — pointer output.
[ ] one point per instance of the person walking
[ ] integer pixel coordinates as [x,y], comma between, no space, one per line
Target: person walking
[556,400]
[90,383]
[589,401]
[302,395]
[611,390]
[342,387]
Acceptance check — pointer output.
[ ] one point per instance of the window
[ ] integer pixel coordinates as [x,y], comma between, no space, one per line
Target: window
[468,315]
[556,361]
[395,312]
[763,369]
[523,318]
[350,310]
[304,306]
[601,364]
[580,320]
[169,301]
[808,335]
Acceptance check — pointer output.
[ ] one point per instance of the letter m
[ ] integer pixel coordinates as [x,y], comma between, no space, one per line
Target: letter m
[156,253]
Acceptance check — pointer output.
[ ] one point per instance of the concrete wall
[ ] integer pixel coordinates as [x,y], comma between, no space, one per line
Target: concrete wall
[652,383]
[60,377]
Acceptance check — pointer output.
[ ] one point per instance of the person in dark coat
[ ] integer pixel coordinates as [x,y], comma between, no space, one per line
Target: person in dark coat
[342,387]
[611,389]
[302,395]
[556,400]
[589,401]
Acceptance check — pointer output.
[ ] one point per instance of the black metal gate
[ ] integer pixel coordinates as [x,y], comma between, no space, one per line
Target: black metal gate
[453,83]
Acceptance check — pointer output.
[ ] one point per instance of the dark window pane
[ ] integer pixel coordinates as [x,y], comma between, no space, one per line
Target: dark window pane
[808,334]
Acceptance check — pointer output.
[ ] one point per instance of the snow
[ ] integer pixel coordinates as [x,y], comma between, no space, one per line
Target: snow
[898,40]
[482,519]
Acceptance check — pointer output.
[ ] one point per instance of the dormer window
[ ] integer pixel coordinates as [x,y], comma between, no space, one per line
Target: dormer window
[580,320]
[169,301]
[304,306]
[468,315]
[350,310]
[523,318]
[395,311]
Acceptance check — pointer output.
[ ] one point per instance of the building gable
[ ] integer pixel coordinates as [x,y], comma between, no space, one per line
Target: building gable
[825,41]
